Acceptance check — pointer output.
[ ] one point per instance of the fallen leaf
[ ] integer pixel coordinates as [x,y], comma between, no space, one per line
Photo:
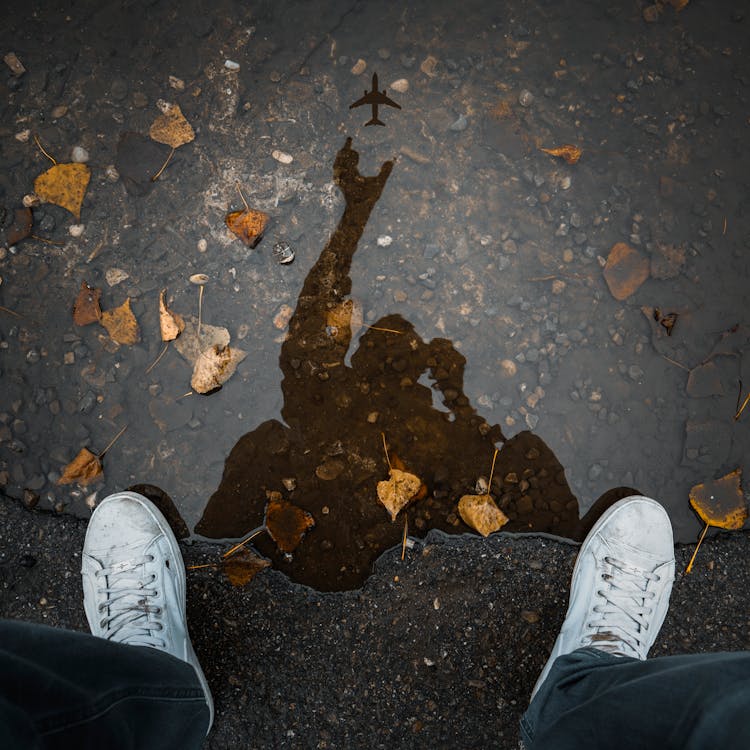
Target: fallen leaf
[398,490]
[286,523]
[84,469]
[248,225]
[121,324]
[481,513]
[571,154]
[20,229]
[678,5]
[64,185]
[190,344]
[86,308]
[172,128]
[242,567]
[720,503]
[625,271]
[170,323]
[666,321]
[214,367]
[344,320]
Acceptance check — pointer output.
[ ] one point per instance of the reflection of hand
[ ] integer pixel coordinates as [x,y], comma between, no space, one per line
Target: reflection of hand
[352,184]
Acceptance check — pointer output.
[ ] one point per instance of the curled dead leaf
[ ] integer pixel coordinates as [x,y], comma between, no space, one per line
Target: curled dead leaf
[214,367]
[64,185]
[242,567]
[83,469]
[172,128]
[86,308]
[396,492]
[481,513]
[286,523]
[248,225]
[570,153]
[170,323]
[121,324]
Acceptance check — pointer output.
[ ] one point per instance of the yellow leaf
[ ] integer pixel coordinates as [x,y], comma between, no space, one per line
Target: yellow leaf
[170,323]
[248,225]
[398,490]
[571,154]
[286,523]
[64,185]
[84,469]
[121,324]
[172,128]
[721,502]
[481,513]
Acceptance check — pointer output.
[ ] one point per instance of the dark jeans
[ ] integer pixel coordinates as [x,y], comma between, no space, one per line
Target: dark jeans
[60,689]
[592,699]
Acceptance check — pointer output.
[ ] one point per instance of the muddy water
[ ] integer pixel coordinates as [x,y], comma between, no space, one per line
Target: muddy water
[483,253]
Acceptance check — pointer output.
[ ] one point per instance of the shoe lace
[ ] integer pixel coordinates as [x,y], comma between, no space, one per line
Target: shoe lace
[625,612]
[130,618]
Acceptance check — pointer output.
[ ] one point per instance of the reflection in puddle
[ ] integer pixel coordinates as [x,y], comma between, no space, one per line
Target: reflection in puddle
[328,457]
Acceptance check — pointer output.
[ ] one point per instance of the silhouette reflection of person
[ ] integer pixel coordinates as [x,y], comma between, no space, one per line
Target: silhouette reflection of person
[328,456]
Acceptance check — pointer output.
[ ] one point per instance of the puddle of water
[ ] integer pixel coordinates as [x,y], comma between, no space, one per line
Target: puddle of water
[492,276]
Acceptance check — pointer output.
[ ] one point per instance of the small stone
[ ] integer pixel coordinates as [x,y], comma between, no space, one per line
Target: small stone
[69,358]
[75,230]
[79,155]
[15,65]
[33,356]
[282,317]
[401,85]
[400,296]
[558,286]
[568,255]
[384,240]
[23,135]
[282,157]
[31,200]
[231,65]
[372,417]
[428,66]
[529,616]
[635,372]
[460,124]
[202,246]
[359,67]
[565,182]
[290,483]
[111,173]
[115,276]
[508,368]
[30,499]
[526,98]
[176,83]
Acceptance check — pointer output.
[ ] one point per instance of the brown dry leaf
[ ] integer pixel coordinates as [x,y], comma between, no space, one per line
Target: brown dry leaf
[86,308]
[214,367]
[170,323]
[625,271]
[570,153]
[286,523]
[121,324]
[20,229]
[720,503]
[481,513]
[172,128]
[84,469]
[64,185]
[678,5]
[398,490]
[242,567]
[248,225]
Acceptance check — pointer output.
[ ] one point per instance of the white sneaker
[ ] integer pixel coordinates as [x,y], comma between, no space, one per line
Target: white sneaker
[622,579]
[134,580]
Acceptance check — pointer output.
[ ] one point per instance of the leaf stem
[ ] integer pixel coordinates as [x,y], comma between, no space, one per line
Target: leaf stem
[113,441]
[239,190]
[492,470]
[385,448]
[695,552]
[241,544]
[163,166]
[156,361]
[41,148]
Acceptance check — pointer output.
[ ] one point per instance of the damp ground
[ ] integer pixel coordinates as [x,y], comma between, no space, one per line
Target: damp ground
[465,307]
[440,650]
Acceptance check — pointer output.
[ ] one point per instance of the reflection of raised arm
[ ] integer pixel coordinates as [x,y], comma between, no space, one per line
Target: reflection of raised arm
[328,283]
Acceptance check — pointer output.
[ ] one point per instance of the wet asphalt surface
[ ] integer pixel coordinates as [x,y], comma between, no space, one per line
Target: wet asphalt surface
[441,650]
[481,246]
